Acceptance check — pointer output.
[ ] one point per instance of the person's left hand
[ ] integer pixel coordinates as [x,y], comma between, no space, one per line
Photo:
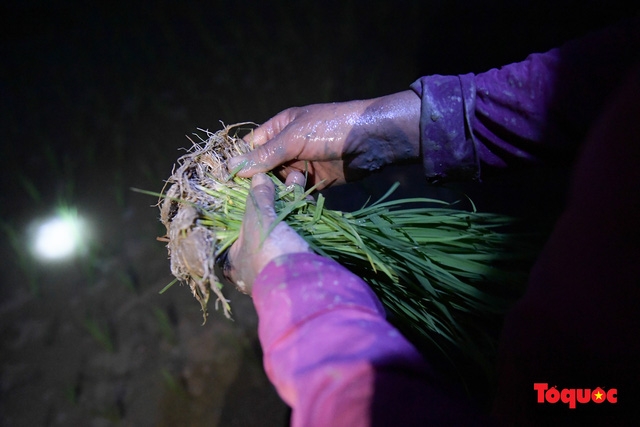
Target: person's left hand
[335,143]
[254,249]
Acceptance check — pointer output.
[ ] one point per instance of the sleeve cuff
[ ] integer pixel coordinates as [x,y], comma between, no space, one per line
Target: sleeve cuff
[448,147]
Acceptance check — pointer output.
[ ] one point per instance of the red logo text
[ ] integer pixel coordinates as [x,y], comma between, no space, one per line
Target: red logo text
[571,396]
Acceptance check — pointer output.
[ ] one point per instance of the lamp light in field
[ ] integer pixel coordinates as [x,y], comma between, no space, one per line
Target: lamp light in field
[59,237]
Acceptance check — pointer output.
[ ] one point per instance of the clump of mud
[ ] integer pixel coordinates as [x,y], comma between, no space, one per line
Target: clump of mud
[194,247]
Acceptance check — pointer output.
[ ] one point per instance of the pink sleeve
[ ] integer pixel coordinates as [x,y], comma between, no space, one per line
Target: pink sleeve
[334,358]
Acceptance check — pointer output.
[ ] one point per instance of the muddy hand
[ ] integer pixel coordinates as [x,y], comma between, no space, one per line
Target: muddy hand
[259,241]
[335,143]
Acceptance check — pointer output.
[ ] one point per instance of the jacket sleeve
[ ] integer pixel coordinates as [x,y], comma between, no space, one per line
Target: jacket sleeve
[535,110]
[333,357]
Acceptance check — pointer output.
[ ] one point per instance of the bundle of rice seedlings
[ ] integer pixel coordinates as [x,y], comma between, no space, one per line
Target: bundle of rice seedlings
[441,272]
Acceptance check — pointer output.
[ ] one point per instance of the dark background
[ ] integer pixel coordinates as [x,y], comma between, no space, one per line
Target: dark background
[97,98]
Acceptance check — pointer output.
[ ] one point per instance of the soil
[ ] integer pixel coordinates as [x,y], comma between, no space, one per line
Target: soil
[157,365]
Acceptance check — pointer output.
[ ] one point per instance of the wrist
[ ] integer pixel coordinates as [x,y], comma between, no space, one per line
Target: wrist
[403,113]
[393,125]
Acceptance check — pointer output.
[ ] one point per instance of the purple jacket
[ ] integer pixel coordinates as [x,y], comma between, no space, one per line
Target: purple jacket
[530,111]
[336,361]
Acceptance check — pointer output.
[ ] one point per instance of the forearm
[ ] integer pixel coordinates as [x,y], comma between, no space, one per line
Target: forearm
[524,112]
[333,357]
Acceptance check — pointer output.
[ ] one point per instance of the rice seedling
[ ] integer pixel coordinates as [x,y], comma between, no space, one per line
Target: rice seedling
[73,389]
[102,334]
[164,325]
[173,384]
[128,279]
[438,270]
[23,260]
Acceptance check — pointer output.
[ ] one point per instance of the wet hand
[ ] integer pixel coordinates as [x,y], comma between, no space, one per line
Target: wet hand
[335,143]
[260,242]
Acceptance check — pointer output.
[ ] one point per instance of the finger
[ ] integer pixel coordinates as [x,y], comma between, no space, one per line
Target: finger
[269,150]
[259,135]
[258,218]
[269,129]
[296,177]
[262,199]
[262,159]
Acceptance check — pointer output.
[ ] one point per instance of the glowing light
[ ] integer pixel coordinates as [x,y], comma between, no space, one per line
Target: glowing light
[58,238]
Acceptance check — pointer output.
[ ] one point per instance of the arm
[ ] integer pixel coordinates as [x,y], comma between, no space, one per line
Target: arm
[534,110]
[327,347]
[334,358]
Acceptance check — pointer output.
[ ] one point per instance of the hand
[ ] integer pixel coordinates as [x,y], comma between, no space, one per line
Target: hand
[254,249]
[335,143]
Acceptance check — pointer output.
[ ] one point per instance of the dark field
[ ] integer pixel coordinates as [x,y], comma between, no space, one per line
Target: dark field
[98,99]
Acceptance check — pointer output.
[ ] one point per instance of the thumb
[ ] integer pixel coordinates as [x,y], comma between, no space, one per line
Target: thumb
[245,258]
[261,201]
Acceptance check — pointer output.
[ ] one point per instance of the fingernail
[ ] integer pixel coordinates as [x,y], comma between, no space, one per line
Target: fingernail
[295,177]
[234,162]
[258,179]
[236,165]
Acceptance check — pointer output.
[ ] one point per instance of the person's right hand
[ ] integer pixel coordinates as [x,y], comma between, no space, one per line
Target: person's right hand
[259,241]
[335,143]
